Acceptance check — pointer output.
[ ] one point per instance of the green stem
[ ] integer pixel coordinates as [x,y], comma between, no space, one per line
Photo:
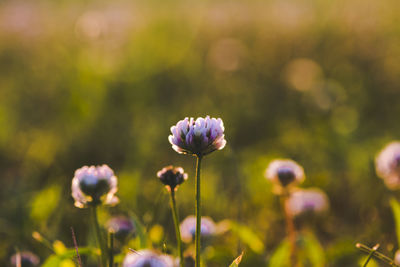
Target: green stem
[111,249]
[100,239]
[291,230]
[177,230]
[198,214]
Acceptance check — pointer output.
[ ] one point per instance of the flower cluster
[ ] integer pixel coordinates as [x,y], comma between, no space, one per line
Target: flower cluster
[307,200]
[188,228]
[388,165]
[284,173]
[172,177]
[199,137]
[147,258]
[92,186]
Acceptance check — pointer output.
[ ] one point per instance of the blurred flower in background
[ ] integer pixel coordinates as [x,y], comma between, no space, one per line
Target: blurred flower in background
[121,226]
[397,257]
[25,259]
[93,186]
[303,201]
[200,137]
[147,258]
[172,177]
[284,173]
[188,228]
[387,164]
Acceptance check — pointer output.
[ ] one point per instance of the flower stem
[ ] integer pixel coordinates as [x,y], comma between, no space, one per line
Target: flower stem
[100,239]
[175,215]
[291,231]
[198,214]
[111,249]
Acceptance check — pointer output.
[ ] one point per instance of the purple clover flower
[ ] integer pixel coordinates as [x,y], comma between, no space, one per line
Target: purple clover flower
[199,137]
[284,173]
[172,177]
[307,200]
[188,228]
[387,164]
[92,186]
[25,259]
[147,258]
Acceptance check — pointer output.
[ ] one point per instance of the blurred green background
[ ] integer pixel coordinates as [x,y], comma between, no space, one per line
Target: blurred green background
[93,82]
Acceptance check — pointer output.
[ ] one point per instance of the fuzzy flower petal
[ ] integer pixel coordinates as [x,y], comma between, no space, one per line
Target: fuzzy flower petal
[199,137]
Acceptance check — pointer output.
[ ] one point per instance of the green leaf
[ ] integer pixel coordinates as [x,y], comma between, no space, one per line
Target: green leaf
[310,252]
[313,251]
[236,262]
[141,234]
[247,236]
[396,213]
[65,257]
[44,203]
[281,256]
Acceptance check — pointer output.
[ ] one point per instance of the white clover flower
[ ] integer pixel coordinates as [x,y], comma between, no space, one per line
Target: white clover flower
[147,258]
[284,172]
[307,200]
[387,164]
[172,177]
[200,137]
[92,186]
[188,228]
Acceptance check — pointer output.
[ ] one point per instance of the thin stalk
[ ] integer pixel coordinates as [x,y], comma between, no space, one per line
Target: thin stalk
[291,231]
[198,212]
[175,215]
[376,254]
[111,249]
[370,255]
[100,239]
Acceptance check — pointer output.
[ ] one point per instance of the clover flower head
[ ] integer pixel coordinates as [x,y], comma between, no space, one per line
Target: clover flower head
[303,201]
[172,177]
[199,137]
[147,258]
[121,226]
[94,185]
[25,258]
[188,228]
[387,164]
[284,172]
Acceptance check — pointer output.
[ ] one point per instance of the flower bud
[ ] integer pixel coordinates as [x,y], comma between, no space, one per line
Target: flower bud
[172,177]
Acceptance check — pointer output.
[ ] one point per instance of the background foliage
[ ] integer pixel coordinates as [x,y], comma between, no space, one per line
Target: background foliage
[93,82]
